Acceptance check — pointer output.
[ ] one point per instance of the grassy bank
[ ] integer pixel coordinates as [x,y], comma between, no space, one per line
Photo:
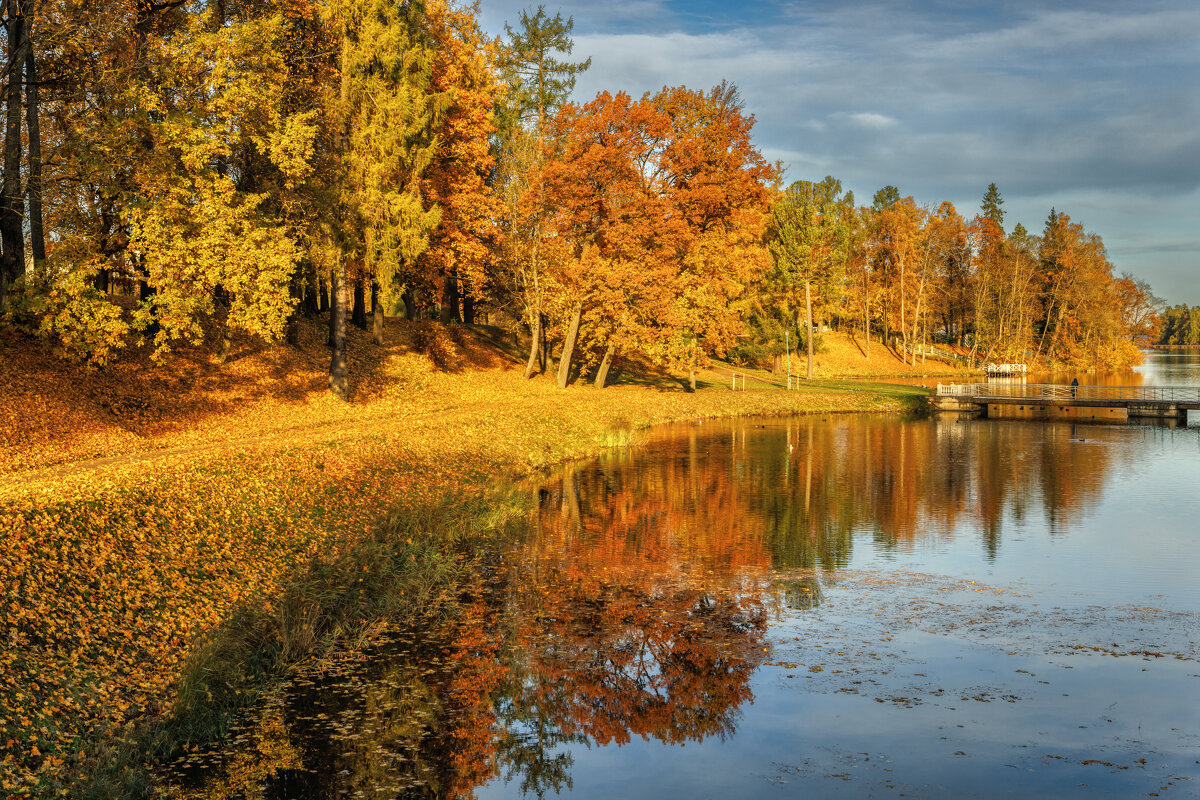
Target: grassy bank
[145,507]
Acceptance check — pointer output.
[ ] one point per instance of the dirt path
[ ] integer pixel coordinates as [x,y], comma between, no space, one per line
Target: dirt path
[302,435]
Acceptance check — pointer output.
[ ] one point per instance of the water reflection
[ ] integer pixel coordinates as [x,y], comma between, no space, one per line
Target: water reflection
[1159,367]
[797,498]
[634,604]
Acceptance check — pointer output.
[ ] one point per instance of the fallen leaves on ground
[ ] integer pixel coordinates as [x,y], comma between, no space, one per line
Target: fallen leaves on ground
[216,485]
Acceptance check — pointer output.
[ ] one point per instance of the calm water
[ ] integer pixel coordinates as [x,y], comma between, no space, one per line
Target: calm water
[1174,367]
[844,607]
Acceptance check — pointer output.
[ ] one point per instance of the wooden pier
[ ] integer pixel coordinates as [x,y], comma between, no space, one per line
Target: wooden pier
[1053,401]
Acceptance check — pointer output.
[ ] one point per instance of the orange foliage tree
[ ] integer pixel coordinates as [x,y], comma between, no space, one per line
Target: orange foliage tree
[656,209]
[456,181]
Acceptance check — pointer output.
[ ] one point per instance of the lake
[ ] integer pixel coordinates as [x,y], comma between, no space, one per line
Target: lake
[848,606]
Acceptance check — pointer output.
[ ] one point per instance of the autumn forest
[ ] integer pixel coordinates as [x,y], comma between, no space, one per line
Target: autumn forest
[175,167]
[221,221]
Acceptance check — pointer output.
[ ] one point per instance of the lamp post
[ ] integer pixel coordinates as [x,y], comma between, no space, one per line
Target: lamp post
[787,350]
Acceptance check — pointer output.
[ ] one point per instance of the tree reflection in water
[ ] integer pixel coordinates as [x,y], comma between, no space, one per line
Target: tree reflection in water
[609,618]
[634,603]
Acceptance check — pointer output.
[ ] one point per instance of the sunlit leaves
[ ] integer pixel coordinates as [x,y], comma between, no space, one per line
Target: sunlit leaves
[656,205]
[223,483]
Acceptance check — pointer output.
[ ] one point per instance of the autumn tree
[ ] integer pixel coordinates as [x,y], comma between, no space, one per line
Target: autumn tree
[382,122]
[952,248]
[1004,286]
[613,238]
[1180,326]
[16,23]
[809,240]
[458,179]
[538,81]
[1141,311]
[718,181]
[944,271]
[1080,315]
[898,252]
[142,184]
[657,207]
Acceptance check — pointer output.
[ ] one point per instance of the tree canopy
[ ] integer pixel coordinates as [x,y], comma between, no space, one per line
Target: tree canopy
[190,173]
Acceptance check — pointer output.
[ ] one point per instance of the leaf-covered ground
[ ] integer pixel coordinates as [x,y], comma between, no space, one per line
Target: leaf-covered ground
[144,504]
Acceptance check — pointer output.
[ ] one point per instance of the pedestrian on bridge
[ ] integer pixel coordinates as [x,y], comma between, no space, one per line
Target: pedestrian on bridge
[1074,386]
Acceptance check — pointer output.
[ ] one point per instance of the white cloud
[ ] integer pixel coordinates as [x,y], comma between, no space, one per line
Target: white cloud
[1056,104]
[867,120]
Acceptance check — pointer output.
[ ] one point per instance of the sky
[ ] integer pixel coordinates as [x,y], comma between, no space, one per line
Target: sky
[1091,108]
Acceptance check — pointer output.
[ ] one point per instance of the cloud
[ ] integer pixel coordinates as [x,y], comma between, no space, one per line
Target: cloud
[1086,102]
[867,120]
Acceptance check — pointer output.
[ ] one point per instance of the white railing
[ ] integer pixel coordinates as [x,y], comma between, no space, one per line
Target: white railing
[1005,369]
[937,352]
[1043,391]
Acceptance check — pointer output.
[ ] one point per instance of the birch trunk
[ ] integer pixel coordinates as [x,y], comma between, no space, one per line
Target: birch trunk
[809,336]
[338,374]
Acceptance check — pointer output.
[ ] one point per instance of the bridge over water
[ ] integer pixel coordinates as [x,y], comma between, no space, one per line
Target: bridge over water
[1055,401]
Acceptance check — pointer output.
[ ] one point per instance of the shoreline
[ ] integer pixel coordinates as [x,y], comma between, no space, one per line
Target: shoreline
[122,572]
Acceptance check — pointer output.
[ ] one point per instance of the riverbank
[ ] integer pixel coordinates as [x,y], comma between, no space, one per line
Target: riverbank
[145,506]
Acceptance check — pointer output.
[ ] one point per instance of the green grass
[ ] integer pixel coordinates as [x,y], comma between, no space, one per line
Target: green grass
[913,397]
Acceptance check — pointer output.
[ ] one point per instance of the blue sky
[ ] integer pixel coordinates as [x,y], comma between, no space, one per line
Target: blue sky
[1089,107]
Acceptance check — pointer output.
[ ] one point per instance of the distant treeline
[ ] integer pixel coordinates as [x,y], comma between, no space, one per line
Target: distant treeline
[1180,325]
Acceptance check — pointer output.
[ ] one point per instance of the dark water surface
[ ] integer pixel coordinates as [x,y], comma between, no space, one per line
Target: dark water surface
[843,607]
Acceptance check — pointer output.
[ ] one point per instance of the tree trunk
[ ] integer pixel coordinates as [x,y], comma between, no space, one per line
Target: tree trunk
[37,236]
[311,304]
[866,316]
[12,206]
[224,343]
[543,347]
[410,304]
[450,312]
[144,293]
[605,364]
[376,314]
[101,280]
[359,318]
[809,335]
[535,345]
[323,293]
[333,302]
[903,327]
[293,323]
[917,320]
[564,362]
[692,370]
[338,378]
[468,308]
